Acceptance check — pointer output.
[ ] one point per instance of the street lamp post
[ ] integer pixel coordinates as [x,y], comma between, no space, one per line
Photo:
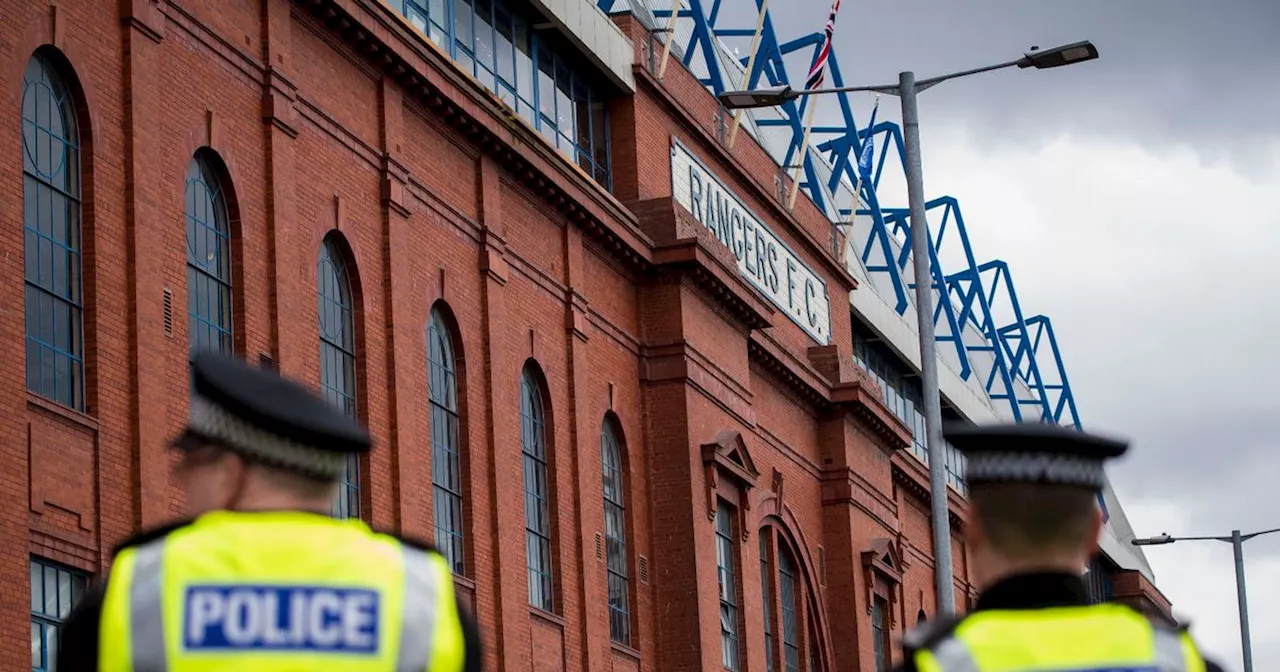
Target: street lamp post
[906,90]
[1237,543]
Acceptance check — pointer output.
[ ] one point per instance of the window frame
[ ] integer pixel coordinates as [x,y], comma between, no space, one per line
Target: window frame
[790,630]
[445,405]
[767,585]
[783,547]
[880,631]
[593,158]
[203,171]
[333,253]
[731,617]
[60,84]
[617,546]
[534,438]
[78,583]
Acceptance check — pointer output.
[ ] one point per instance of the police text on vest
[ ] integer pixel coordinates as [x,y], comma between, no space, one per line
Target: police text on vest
[281,618]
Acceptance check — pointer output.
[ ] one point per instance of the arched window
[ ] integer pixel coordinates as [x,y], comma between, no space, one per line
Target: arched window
[615,534]
[208,258]
[338,357]
[796,606]
[768,602]
[787,581]
[51,230]
[537,491]
[446,462]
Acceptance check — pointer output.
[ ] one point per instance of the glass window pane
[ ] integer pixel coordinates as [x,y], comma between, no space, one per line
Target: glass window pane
[503,47]
[564,99]
[462,15]
[523,40]
[546,84]
[37,647]
[484,34]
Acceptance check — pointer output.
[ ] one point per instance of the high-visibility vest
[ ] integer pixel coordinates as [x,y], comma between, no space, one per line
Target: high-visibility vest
[279,592]
[1098,638]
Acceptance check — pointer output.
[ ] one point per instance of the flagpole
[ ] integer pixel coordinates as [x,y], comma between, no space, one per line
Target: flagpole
[746,77]
[866,154]
[804,152]
[676,6]
[853,213]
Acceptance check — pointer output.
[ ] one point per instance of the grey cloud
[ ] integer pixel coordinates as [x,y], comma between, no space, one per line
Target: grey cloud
[1172,71]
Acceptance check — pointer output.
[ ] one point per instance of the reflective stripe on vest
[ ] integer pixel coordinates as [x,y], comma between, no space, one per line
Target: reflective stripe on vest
[953,656]
[427,614]
[421,603]
[1105,638]
[146,609]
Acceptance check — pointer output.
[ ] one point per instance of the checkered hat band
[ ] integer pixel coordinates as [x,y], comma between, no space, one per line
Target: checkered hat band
[216,422]
[1036,468]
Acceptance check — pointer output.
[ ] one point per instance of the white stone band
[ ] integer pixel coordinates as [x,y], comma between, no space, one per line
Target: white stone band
[1059,469]
[215,422]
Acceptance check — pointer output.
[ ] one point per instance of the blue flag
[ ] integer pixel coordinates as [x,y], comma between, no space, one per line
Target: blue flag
[868,147]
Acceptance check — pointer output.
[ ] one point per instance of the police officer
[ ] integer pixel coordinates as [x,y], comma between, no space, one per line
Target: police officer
[1035,525]
[262,578]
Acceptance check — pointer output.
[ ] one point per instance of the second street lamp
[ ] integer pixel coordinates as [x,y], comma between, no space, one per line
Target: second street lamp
[906,90]
[1237,542]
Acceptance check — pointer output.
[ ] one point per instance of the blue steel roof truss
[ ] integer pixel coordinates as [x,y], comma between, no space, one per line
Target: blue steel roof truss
[1026,369]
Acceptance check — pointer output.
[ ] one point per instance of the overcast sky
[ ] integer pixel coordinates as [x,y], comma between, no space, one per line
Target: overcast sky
[1137,200]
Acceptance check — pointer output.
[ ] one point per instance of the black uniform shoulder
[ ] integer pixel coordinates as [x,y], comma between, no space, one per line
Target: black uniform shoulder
[925,636]
[78,636]
[148,536]
[930,633]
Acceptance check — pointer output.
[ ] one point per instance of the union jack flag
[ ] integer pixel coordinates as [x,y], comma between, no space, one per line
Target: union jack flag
[817,73]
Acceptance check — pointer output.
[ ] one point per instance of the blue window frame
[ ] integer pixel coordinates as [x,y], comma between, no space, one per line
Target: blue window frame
[54,592]
[902,394]
[788,600]
[51,230]
[728,580]
[615,535]
[1097,581]
[338,359]
[209,308]
[497,44]
[446,461]
[880,633]
[768,602]
[537,492]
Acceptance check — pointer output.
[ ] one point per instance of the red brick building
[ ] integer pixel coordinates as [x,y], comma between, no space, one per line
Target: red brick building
[635,388]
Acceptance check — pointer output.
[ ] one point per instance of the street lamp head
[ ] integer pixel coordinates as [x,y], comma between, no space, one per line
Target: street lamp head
[1058,56]
[1154,541]
[770,97]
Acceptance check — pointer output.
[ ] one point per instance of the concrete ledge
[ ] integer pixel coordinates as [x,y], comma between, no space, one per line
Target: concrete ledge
[592,31]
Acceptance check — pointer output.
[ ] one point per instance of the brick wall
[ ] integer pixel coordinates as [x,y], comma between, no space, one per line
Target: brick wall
[330,118]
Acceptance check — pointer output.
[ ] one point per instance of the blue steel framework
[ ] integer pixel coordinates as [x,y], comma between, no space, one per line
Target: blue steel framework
[1026,371]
